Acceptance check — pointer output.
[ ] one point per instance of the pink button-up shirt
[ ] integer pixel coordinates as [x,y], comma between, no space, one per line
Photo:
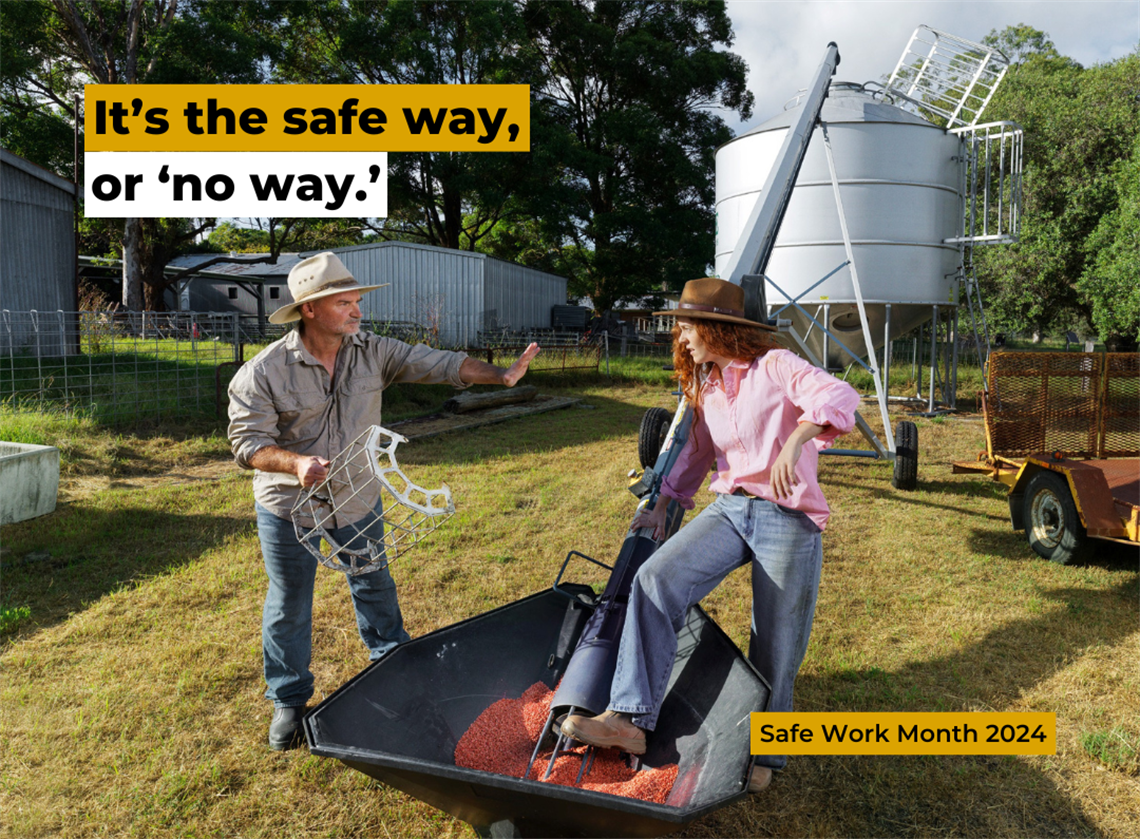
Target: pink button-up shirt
[745,418]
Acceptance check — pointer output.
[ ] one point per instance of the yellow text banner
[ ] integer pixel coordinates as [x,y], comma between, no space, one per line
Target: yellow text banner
[928,733]
[295,118]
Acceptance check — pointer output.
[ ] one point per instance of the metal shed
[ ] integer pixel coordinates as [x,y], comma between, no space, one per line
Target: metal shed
[457,293]
[232,286]
[37,251]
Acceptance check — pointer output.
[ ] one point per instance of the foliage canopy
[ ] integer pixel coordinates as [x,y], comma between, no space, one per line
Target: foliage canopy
[1077,261]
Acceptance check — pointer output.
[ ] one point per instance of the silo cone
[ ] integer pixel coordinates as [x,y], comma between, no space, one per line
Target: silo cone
[400,720]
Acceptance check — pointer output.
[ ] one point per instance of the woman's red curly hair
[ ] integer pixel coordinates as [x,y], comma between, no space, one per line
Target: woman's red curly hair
[731,340]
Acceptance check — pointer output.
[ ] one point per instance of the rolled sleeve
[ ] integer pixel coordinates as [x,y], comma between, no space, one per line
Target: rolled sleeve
[821,398]
[836,421]
[253,419]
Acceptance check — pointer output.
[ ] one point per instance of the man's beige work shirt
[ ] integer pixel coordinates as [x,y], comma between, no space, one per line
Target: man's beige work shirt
[284,397]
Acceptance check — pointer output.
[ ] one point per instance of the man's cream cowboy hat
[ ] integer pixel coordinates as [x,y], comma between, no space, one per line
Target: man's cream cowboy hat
[316,277]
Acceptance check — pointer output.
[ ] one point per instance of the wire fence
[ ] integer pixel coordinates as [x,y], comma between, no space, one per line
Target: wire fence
[123,367]
[115,366]
[126,367]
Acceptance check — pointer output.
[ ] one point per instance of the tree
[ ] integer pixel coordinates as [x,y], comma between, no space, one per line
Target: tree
[447,199]
[1020,42]
[1080,125]
[258,235]
[1111,280]
[53,47]
[36,111]
[630,88]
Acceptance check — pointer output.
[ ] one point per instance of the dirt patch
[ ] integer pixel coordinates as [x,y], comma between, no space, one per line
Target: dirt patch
[84,486]
[443,423]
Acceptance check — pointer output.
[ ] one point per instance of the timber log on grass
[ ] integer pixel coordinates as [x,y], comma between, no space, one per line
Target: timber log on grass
[462,403]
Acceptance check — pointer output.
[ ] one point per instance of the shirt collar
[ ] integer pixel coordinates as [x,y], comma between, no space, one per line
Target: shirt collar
[297,353]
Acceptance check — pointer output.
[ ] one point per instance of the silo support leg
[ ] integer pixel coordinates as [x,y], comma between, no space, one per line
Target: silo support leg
[876,372]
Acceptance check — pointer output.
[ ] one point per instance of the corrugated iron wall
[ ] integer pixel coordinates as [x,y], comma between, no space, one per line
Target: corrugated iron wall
[519,297]
[37,248]
[459,292]
[437,289]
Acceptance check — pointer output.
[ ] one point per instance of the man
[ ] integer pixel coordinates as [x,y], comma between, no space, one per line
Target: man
[293,407]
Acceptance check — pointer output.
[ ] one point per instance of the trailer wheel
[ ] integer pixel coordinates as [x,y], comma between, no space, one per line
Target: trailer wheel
[1052,523]
[654,429]
[906,456]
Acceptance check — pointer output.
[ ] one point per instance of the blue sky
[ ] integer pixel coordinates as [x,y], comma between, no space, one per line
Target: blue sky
[783,41]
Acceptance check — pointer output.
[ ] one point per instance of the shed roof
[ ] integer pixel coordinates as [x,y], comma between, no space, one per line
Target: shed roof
[36,171]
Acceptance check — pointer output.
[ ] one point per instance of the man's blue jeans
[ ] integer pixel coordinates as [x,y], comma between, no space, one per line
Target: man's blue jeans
[287,617]
[786,552]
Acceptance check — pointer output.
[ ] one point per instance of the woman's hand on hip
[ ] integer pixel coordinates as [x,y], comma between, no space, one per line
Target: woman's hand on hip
[784,469]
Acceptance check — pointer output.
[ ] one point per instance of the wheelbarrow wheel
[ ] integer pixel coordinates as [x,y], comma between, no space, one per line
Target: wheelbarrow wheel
[906,456]
[1052,523]
[654,429]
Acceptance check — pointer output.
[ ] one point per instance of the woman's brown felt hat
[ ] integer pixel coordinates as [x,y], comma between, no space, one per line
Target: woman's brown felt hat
[710,298]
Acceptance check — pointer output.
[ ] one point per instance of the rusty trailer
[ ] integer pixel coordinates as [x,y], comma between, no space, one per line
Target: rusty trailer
[1063,433]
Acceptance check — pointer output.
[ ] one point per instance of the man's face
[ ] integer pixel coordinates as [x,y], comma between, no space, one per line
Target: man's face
[338,314]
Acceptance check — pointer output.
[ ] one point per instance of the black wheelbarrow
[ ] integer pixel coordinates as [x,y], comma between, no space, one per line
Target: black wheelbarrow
[400,719]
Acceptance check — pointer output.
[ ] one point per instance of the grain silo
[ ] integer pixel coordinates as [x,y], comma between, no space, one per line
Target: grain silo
[900,182]
[886,205]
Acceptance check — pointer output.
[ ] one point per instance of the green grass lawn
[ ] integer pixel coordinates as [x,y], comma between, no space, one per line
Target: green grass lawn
[131,699]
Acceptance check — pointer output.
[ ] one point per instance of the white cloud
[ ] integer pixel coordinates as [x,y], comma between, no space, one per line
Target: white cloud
[783,41]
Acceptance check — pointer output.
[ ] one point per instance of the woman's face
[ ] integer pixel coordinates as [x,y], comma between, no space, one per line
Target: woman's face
[690,339]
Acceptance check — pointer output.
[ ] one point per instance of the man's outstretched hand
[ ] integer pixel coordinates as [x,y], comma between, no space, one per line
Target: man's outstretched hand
[475,372]
[517,370]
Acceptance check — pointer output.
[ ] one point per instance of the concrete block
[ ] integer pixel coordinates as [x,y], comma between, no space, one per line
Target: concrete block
[29,481]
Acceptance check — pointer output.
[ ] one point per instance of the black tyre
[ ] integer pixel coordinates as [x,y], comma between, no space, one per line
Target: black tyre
[906,456]
[1052,523]
[654,429]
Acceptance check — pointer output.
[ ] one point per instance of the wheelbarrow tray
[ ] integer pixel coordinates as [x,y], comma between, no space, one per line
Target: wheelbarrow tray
[400,719]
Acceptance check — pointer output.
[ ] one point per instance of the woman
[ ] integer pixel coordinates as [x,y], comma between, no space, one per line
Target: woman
[762,415]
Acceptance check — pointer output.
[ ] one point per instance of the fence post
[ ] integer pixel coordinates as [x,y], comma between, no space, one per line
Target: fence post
[606,338]
[39,364]
[63,353]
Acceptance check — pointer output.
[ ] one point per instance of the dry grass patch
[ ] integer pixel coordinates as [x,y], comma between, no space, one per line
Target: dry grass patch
[131,699]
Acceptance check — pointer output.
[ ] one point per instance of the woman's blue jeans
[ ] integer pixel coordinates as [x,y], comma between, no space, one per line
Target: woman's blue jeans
[786,552]
[287,617]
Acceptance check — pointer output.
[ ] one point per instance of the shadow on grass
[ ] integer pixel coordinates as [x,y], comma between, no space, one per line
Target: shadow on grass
[594,418]
[880,489]
[1013,544]
[945,795]
[58,564]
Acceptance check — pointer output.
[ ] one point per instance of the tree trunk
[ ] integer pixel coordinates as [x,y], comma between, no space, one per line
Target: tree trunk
[154,297]
[1121,343]
[132,265]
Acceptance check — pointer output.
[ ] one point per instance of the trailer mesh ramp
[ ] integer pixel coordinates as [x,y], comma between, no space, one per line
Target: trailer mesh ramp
[1044,401]
[1121,416]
